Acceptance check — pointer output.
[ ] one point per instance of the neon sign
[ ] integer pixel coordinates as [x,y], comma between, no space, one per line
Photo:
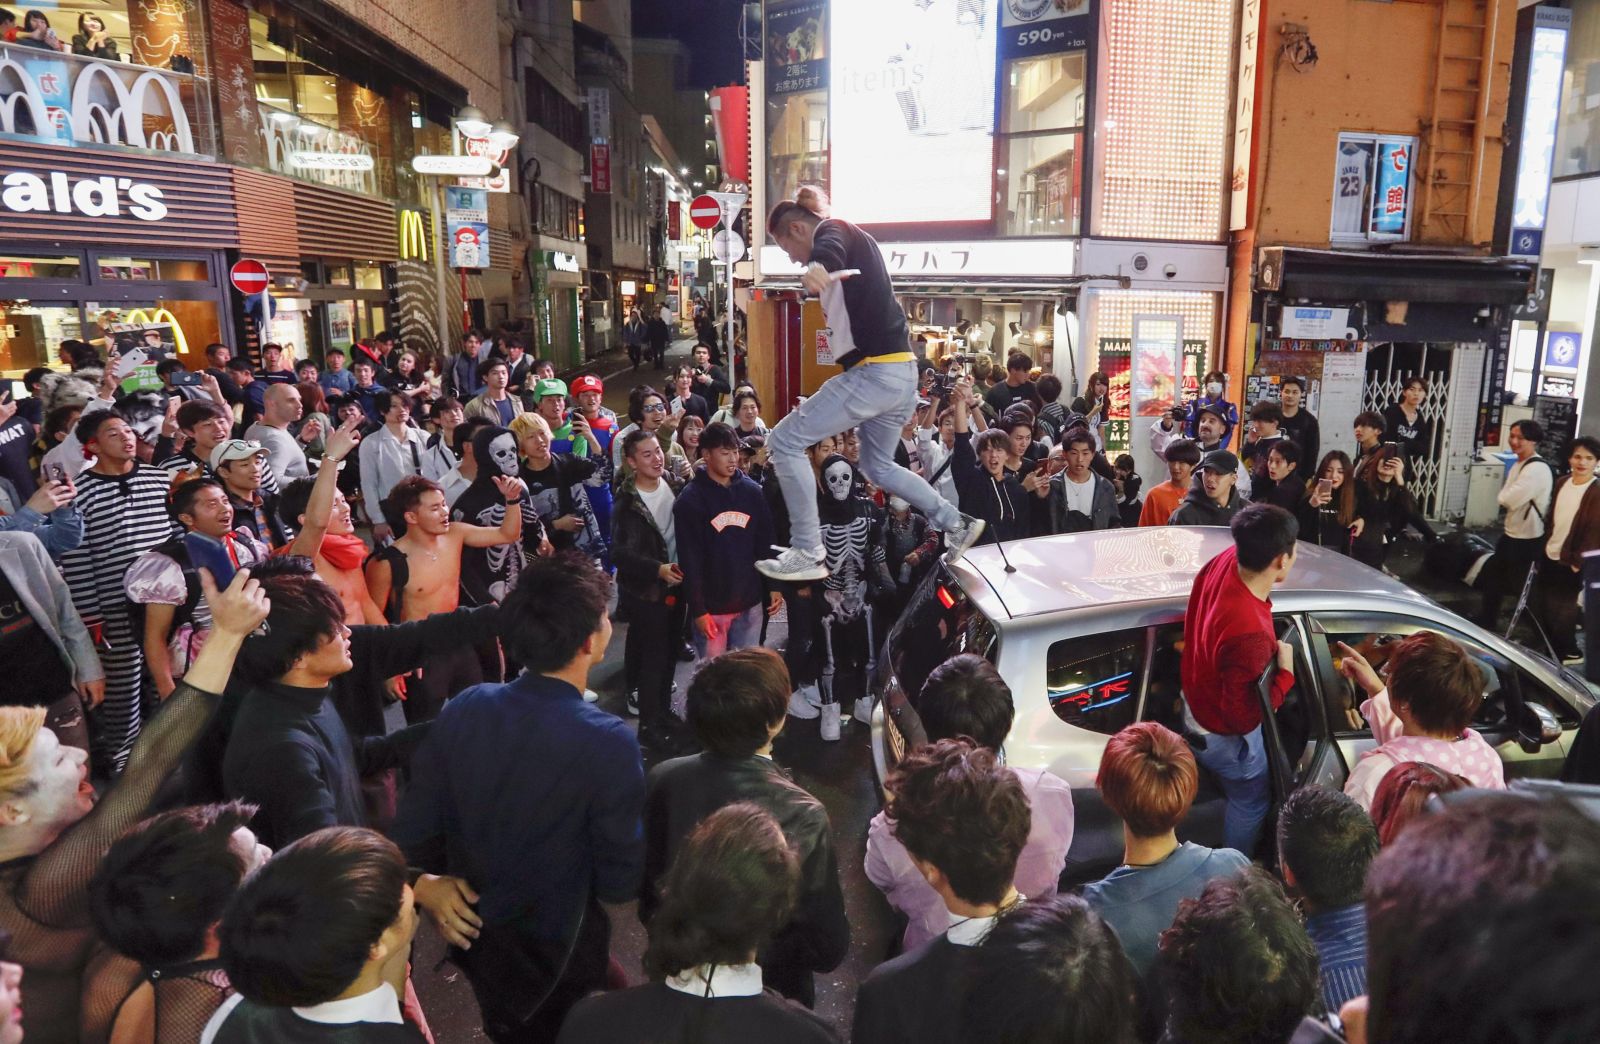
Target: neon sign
[1095,696]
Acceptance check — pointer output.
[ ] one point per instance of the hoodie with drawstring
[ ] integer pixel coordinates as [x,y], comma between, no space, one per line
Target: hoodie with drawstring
[1198,509]
[1002,503]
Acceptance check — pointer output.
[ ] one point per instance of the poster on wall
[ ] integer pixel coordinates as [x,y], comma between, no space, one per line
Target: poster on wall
[1344,378]
[1391,197]
[911,110]
[466,219]
[1029,27]
[1155,387]
[341,325]
[796,47]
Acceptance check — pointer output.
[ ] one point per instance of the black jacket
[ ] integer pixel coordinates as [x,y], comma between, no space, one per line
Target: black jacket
[290,754]
[657,1012]
[681,792]
[1198,509]
[638,549]
[1002,503]
[915,998]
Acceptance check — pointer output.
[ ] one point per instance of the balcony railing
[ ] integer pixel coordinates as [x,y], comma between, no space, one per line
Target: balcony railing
[71,99]
[311,151]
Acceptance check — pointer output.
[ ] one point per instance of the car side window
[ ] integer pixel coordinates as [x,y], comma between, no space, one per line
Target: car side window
[1094,679]
[1376,638]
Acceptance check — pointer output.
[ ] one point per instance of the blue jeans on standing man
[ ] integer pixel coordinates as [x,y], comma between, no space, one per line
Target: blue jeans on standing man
[1239,764]
[876,399]
[734,631]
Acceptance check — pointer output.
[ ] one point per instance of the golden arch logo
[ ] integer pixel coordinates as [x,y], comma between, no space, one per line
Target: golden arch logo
[413,235]
[161,315]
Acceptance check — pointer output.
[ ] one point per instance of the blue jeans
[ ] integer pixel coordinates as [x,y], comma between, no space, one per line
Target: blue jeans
[1240,765]
[734,631]
[876,399]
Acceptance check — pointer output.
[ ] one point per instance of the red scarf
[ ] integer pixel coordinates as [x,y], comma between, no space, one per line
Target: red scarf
[344,551]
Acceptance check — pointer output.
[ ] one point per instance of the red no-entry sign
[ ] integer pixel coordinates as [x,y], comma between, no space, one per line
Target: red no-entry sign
[249,276]
[705,212]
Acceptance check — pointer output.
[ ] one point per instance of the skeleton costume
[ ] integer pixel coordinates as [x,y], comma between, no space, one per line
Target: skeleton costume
[489,573]
[858,574]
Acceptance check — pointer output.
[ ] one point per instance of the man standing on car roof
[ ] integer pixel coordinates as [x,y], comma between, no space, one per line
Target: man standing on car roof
[1228,642]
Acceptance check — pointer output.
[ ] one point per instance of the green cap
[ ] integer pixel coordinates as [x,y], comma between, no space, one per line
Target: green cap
[548,386]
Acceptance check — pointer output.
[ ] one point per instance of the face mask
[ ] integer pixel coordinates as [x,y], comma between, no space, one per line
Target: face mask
[1213,389]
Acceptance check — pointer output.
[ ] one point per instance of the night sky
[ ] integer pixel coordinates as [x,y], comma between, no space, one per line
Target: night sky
[710,28]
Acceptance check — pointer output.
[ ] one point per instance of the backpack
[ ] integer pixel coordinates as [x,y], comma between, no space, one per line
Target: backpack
[176,550]
[399,574]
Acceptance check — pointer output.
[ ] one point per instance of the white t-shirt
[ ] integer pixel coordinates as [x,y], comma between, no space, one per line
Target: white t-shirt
[659,504]
[1561,516]
[1080,495]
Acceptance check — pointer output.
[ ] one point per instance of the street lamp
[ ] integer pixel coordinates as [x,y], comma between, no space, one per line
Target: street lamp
[499,137]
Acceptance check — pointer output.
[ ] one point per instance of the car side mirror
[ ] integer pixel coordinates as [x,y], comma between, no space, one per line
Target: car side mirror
[1537,727]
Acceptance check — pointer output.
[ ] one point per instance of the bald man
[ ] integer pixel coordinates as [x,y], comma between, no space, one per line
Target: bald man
[285,452]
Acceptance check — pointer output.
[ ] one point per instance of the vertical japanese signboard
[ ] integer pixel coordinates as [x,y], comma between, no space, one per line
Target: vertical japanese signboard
[1244,115]
[1391,197]
[1536,141]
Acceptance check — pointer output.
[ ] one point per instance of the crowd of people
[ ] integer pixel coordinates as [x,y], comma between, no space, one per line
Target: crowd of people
[214,828]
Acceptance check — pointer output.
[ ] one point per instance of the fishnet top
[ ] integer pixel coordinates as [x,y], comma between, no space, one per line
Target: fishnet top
[44,899]
[187,995]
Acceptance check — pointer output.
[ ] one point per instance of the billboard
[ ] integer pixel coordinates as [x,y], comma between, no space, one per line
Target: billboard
[912,110]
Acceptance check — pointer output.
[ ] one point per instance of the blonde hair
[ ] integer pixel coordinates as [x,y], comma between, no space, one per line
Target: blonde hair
[19,727]
[522,425]
[814,199]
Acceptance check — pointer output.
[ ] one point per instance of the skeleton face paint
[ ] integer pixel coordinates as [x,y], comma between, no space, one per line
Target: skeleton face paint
[503,451]
[838,478]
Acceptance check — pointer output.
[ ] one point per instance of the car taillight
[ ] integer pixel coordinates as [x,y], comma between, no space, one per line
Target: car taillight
[946,599]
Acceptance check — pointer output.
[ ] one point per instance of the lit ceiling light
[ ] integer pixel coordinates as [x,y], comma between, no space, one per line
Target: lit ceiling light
[1001,172]
[683,171]
[287,118]
[473,123]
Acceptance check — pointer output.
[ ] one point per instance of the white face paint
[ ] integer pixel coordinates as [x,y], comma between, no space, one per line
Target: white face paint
[503,450]
[839,480]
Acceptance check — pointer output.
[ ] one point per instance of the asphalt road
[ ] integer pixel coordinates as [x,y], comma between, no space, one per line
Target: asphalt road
[840,774]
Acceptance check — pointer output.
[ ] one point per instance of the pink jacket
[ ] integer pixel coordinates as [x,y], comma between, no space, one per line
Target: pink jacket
[1469,756]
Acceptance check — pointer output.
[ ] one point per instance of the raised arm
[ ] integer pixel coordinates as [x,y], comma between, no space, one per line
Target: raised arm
[510,529]
[319,508]
[55,890]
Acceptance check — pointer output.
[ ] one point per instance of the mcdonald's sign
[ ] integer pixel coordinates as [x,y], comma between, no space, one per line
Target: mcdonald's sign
[414,235]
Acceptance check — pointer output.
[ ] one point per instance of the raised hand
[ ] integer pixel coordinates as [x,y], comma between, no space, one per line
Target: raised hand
[342,442]
[240,608]
[510,487]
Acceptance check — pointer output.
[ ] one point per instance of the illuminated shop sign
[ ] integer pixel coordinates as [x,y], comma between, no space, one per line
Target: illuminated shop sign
[309,160]
[911,110]
[1541,108]
[956,260]
[54,192]
[1030,27]
[1085,699]
[794,56]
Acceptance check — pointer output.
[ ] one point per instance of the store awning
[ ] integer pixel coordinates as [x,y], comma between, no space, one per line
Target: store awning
[1294,273]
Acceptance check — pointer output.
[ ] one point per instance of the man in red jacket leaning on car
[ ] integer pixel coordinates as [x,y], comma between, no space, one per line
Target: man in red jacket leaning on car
[1228,641]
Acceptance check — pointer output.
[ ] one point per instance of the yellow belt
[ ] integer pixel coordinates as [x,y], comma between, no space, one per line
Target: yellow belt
[896,357]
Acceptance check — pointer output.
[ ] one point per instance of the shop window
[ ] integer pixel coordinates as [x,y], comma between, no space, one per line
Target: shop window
[369,277]
[1039,170]
[1372,188]
[797,142]
[1093,681]
[34,267]
[339,275]
[31,332]
[160,270]
[187,325]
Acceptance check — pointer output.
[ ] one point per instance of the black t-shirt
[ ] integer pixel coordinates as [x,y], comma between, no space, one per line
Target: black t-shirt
[1003,395]
[16,439]
[550,493]
[32,660]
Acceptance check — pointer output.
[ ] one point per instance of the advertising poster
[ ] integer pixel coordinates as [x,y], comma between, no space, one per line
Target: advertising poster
[796,48]
[341,325]
[1391,198]
[1155,387]
[466,217]
[55,85]
[911,103]
[145,345]
[1029,27]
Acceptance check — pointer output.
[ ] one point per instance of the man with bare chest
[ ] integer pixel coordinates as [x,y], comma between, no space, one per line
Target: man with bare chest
[420,574]
[326,530]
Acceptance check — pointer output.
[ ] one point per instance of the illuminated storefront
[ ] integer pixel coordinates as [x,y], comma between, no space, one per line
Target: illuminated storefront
[1042,177]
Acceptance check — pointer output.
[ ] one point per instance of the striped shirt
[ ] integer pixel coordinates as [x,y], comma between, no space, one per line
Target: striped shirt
[123,517]
[187,461]
[1340,937]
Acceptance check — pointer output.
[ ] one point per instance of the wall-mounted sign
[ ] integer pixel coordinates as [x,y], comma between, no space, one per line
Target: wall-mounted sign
[1537,146]
[499,180]
[1315,324]
[309,160]
[628,288]
[911,88]
[24,192]
[1244,115]
[466,222]
[599,167]
[413,235]
[598,101]
[795,55]
[468,166]
[994,257]
[1029,27]
[1391,196]
[563,262]
[1561,348]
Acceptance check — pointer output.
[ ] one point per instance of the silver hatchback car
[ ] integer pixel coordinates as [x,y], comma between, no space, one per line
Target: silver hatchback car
[1086,629]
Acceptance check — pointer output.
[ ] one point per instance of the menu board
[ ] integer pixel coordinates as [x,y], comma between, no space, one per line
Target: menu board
[1558,416]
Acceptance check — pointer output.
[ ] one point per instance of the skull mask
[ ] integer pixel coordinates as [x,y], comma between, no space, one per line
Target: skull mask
[839,477]
[503,451]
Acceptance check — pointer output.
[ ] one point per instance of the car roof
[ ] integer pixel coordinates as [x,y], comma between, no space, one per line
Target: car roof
[1073,571]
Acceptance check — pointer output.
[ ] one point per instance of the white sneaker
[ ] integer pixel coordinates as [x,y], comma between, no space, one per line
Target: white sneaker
[864,709]
[805,702]
[794,566]
[962,537]
[830,721]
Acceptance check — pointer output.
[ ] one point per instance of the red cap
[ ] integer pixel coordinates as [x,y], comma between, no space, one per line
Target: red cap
[588,382]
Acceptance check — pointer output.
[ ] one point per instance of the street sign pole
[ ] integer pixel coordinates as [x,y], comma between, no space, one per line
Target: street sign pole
[732,203]
[442,312]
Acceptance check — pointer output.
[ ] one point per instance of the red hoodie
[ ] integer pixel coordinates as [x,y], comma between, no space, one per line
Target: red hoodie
[1228,641]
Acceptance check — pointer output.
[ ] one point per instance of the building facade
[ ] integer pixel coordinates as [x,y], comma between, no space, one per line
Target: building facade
[1364,217]
[132,179]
